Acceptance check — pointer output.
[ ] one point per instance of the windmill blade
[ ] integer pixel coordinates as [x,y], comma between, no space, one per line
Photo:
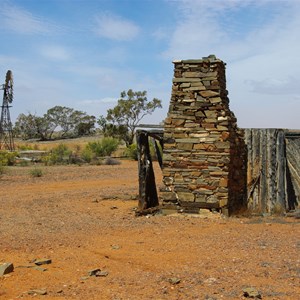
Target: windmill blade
[9,86]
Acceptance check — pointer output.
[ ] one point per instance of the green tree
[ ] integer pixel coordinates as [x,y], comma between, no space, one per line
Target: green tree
[123,119]
[45,127]
[25,126]
[72,122]
[61,116]
[85,126]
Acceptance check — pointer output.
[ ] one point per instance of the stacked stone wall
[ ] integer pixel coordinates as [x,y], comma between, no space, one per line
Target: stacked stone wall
[204,151]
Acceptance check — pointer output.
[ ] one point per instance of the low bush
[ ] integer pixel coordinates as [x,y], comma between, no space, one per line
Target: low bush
[2,170]
[36,172]
[59,155]
[87,155]
[8,158]
[131,152]
[104,147]
[24,163]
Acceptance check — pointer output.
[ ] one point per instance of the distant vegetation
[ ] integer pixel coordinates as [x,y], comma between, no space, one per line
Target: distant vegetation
[61,123]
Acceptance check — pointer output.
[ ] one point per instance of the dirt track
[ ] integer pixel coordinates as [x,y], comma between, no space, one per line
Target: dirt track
[82,218]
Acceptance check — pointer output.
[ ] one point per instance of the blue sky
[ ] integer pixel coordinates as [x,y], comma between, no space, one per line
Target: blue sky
[83,53]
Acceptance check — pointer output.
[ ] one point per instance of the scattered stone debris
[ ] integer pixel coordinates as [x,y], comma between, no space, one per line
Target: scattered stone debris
[43,261]
[210,280]
[251,292]
[114,207]
[174,280]
[33,267]
[37,292]
[93,272]
[84,277]
[148,211]
[102,274]
[6,268]
[116,247]
[95,201]
[97,273]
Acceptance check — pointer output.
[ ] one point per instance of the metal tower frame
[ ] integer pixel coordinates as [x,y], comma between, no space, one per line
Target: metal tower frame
[6,132]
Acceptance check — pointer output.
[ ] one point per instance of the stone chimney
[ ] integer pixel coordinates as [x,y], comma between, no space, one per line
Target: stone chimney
[204,164]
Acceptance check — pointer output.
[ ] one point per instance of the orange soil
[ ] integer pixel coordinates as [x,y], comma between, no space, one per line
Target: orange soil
[82,218]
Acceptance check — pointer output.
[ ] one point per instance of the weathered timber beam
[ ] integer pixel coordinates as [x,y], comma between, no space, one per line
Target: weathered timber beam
[147,188]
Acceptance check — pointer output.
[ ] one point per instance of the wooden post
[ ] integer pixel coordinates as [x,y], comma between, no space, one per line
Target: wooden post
[147,188]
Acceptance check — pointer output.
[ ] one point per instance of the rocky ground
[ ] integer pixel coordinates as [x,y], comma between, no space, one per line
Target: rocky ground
[72,234]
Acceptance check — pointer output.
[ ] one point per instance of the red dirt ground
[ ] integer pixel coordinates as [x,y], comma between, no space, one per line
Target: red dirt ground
[82,218]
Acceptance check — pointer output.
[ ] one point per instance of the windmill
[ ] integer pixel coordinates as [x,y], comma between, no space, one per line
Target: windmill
[6,134]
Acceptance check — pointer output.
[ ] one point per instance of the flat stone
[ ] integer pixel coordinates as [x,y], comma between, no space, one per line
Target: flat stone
[208,93]
[116,247]
[220,119]
[184,196]
[196,83]
[222,145]
[37,292]
[187,141]
[215,100]
[204,191]
[174,280]
[33,267]
[210,120]
[211,114]
[93,272]
[178,122]
[43,261]
[185,146]
[199,114]
[199,135]
[251,292]
[6,268]
[182,79]
[168,196]
[185,84]
[200,198]
[195,88]
[102,274]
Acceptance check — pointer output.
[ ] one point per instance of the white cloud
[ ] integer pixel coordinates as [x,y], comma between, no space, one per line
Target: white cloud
[99,101]
[260,48]
[21,21]
[275,86]
[115,28]
[55,52]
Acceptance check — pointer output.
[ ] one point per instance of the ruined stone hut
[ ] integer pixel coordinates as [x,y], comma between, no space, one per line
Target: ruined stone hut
[207,161]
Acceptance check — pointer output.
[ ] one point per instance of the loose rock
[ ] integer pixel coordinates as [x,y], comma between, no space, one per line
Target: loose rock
[6,268]
[93,272]
[174,280]
[251,292]
[97,273]
[43,261]
[37,292]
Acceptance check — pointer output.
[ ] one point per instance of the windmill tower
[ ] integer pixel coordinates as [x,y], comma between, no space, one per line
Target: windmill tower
[6,134]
